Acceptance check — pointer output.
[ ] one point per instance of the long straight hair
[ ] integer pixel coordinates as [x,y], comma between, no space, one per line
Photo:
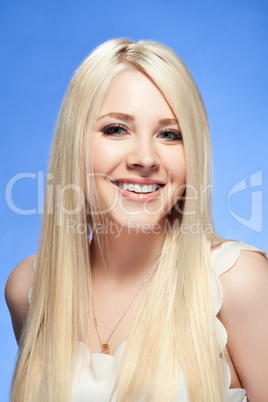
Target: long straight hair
[174,334]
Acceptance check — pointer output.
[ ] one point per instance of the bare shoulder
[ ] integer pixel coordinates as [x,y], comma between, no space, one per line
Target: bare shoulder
[19,283]
[16,292]
[246,278]
[244,314]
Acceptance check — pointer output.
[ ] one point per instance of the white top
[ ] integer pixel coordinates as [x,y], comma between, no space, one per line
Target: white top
[95,374]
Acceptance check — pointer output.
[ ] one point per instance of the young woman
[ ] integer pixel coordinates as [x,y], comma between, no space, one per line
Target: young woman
[123,300]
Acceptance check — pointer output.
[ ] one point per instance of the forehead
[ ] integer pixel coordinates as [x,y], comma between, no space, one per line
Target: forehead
[133,91]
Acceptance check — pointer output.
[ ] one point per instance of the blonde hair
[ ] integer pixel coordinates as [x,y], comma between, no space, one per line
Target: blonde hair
[175,328]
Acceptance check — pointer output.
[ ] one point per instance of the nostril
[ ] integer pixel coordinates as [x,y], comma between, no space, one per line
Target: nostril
[145,166]
[143,157]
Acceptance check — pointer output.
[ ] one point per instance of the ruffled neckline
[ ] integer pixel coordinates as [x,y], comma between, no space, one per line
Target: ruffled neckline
[118,351]
[223,258]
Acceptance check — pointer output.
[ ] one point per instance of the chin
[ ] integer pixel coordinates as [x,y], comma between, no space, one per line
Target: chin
[116,224]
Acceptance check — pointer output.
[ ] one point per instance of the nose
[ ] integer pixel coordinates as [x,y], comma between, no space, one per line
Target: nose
[143,155]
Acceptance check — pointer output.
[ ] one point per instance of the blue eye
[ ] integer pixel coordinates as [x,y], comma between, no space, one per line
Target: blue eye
[114,129]
[170,135]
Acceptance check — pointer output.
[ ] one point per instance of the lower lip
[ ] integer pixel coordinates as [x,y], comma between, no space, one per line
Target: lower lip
[139,197]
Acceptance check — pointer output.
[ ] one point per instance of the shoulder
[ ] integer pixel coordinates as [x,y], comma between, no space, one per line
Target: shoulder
[17,289]
[19,283]
[243,274]
[245,291]
[246,277]
[244,314]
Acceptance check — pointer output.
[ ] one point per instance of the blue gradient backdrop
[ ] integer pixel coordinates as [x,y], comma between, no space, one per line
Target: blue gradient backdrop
[224,44]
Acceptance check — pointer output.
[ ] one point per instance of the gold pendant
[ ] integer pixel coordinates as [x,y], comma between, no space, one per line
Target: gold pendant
[105,348]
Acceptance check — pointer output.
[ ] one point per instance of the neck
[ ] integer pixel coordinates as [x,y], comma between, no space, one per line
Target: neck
[132,254]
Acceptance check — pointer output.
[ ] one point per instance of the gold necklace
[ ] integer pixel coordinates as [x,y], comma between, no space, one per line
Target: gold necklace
[105,347]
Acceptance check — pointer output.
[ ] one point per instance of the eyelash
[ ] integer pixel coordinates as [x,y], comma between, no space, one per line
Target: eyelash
[109,131]
[177,135]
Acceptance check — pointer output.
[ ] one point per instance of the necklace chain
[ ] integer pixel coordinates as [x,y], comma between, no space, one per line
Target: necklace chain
[105,347]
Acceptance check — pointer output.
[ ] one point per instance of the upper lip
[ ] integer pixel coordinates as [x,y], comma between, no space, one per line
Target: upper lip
[139,180]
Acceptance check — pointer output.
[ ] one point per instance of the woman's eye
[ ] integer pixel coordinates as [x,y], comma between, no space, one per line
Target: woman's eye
[170,135]
[114,129]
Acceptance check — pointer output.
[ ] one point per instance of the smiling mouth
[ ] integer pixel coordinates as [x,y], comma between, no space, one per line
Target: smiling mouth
[138,188]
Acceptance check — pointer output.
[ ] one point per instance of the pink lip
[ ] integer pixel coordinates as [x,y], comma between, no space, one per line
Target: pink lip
[139,180]
[135,197]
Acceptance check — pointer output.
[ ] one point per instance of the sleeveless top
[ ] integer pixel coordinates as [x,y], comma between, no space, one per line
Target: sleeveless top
[95,374]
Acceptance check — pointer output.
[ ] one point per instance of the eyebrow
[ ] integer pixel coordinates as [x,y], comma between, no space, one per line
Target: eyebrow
[121,116]
[127,117]
[167,122]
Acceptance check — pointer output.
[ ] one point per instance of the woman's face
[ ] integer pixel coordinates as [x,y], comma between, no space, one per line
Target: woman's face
[138,154]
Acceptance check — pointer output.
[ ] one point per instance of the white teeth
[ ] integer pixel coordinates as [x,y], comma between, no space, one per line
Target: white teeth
[137,188]
[145,189]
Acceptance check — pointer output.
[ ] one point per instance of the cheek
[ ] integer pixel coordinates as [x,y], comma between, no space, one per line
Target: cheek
[176,166]
[178,186]
[178,174]
[99,155]
[106,155]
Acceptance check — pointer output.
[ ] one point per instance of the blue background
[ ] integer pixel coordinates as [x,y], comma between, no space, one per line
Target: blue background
[224,44]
